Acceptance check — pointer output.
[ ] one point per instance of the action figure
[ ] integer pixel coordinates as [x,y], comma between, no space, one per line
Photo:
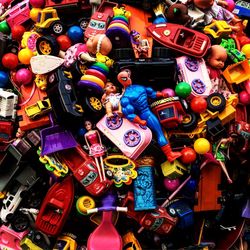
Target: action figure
[135,107]
[111,100]
[141,45]
[96,149]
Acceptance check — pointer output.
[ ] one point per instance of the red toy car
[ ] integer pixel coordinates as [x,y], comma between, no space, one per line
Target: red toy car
[84,170]
[180,38]
[159,220]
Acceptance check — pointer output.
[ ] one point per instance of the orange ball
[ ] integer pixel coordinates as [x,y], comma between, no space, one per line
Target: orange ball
[34,12]
[24,56]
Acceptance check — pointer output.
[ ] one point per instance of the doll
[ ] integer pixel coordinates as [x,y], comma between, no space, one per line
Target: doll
[214,11]
[220,156]
[141,45]
[215,60]
[95,147]
[111,100]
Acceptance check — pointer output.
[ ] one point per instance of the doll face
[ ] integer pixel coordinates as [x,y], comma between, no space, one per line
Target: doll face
[217,57]
[88,125]
[203,4]
[110,88]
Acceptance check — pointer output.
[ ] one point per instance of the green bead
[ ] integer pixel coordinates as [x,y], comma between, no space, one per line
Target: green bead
[183,89]
[4,28]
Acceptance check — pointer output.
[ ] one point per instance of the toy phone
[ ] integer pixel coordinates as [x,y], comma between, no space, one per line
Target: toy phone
[130,138]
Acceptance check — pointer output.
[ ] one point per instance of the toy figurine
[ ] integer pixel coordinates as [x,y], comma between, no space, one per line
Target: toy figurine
[96,149]
[136,109]
[220,156]
[141,45]
[111,100]
[216,58]
[214,11]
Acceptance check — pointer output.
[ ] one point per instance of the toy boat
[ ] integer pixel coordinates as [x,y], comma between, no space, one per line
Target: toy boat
[180,38]
[56,207]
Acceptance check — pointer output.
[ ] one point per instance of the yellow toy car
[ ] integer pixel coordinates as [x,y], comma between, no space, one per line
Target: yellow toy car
[38,109]
[130,242]
[65,242]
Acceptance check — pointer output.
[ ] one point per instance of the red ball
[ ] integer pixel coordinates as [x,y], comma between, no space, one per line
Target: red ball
[64,42]
[198,104]
[10,61]
[171,185]
[37,3]
[244,97]
[17,32]
[188,155]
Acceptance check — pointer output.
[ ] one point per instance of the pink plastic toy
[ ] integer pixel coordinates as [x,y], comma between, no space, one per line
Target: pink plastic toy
[129,137]
[24,76]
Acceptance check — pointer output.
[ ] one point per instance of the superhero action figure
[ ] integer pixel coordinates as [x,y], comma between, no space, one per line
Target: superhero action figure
[135,108]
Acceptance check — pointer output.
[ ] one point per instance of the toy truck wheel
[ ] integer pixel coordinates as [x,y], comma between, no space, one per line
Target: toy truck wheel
[47,45]
[189,122]
[216,102]
[9,217]
[93,103]
[57,28]
[20,223]
[83,23]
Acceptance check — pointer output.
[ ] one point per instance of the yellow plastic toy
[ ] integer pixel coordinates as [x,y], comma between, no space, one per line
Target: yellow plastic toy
[173,170]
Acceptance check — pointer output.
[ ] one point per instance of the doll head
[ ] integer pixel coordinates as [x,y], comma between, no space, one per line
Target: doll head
[110,88]
[203,4]
[88,125]
[217,57]
[99,43]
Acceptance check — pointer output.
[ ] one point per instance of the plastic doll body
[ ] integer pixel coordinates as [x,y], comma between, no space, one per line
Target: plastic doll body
[96,149]
[141,45]
[111,100]
[215,63]
[213,11]
[135,107]
[220,156]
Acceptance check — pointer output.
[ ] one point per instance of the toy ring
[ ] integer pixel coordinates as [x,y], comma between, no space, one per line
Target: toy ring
[93,79]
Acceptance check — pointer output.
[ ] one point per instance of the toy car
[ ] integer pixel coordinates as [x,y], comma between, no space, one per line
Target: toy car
[130,242]
[65,242]
[18,14]
[38,109]
[180,38]
[11,202]
[170,111]
[84,170]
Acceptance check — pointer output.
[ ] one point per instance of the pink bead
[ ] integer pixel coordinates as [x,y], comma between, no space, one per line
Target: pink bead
[244,97]
[24,76]
[231,5]
[169,91]
[171,185]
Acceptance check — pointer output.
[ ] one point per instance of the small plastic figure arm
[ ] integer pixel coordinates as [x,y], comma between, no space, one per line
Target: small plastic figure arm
[160,94]
[151,93]
[86,140]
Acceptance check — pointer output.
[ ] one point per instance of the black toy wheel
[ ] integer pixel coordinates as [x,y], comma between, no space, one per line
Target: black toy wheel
[109,174]
[94,104]
[57,28]
[189,122]
[216,102]
[83,23]
[9,217]
[47,45]
[132,138]
[20,223]
[114,122]
[198,86]
[192,64]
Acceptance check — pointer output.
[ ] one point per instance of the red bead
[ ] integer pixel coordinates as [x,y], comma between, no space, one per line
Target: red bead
[198,104]
[188,155]
[10,61]
[17,32]
[64,42]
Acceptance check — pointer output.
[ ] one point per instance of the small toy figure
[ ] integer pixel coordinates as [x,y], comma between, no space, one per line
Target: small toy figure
[216,58]
[141,45]
[111,100]
[220,156]
[213,10]
[136,109]
[96,149]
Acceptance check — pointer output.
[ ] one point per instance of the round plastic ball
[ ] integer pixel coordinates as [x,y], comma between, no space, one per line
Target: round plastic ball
[24,56]
[198,104]
[37,3]
[169,92]
[230,5]
[34,12]
[246,50]
[17,32]
[4,78]
[64,42]
[75,34]
[4,28]
[188,155]
[10,61]
[244,97]
[159,19]
[183,89]
[201,146]
[24,76]
[171,185]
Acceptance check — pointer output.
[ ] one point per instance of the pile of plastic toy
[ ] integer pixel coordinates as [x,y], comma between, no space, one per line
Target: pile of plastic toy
[124,124]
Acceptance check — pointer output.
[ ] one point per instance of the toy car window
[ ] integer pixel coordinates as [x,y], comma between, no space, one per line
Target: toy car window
[100,25]
[39,17]
[166,113]
[92,24]
[61,244]
[48,16]
[90,178]
[23,6]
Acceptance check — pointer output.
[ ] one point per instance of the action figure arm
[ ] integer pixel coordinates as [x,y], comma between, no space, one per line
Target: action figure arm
[155,94]
[129,112]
